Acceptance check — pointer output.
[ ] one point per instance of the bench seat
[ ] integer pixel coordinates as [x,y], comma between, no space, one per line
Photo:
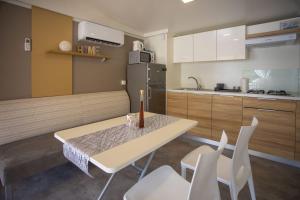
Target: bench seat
[27,157]
[27,127]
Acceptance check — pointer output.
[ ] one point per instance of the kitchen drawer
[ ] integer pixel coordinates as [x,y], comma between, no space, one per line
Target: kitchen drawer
[272,104]
[226,115]
[199,109]
[275,133]
[227,100]
[177,104]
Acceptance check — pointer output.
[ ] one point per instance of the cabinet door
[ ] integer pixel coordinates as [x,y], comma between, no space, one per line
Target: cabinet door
[297,149]
[183,49]
[205,46]
[177,104]
[275,133]
[226,115]
[199,109]
[231,43]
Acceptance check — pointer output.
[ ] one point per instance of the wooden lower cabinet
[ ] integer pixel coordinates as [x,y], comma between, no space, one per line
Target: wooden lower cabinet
[199,109]
[275,133]
[297,148]
[226,115]
[177,104]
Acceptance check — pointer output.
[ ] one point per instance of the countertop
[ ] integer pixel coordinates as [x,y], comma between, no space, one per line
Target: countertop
[241,94]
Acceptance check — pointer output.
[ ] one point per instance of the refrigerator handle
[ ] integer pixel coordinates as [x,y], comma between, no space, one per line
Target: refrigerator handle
[148,74]
[149,92]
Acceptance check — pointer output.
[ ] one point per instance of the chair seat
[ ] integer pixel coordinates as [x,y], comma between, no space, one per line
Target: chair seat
[161,184]
[190,160]
[224,163]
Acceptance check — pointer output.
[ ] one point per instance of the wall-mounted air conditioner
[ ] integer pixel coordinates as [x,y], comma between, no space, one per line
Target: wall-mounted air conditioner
[99,34]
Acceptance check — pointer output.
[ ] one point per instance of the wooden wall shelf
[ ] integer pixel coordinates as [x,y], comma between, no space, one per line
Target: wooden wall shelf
[73,53]
[273,33]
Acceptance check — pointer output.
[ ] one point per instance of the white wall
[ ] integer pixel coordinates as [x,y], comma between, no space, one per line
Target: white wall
[173,70]
[230,72]
[158,44]
[162,45]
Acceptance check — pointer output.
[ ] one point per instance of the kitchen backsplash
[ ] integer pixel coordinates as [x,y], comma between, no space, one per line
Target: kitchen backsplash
[273,79]
[269,68]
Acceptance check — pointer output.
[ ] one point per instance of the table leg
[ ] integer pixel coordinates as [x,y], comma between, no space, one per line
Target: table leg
[139,169]
[147,165]
[105,187]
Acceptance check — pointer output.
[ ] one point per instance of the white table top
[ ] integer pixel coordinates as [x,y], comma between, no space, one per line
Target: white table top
[117,158]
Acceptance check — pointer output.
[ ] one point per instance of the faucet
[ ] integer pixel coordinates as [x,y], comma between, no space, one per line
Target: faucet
[198,85]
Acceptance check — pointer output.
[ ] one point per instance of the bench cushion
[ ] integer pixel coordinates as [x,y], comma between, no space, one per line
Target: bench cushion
[29,156]
[25,118]
[27,143]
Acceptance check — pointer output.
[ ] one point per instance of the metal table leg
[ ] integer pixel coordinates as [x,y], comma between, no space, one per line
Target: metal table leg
[147,165]
[138,168]
[142,171]
[105,187]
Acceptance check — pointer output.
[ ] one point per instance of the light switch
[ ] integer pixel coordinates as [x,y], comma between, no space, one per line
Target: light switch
[27,44]
[123,82]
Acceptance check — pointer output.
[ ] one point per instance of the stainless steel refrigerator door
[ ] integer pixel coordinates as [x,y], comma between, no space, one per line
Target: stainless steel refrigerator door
[156,88]
[136,81]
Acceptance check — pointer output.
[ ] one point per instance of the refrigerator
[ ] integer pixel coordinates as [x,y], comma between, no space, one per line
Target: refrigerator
[151,78]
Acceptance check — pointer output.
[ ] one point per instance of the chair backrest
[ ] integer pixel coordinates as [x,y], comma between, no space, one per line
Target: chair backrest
[241,167]
[204,185]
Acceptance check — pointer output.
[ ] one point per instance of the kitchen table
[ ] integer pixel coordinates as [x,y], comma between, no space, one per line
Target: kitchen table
[118,157]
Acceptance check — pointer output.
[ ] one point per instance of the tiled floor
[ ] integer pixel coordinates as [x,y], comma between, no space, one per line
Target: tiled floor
[273,181]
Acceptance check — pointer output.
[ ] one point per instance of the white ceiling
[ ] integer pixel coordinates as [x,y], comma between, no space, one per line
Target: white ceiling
[143,16]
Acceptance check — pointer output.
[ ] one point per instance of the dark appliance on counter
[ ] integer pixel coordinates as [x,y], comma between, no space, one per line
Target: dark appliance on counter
[256,92]
[220,87]
[152,79]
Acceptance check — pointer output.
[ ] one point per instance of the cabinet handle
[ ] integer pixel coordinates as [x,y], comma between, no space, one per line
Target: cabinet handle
[224,95]
[267,99]
[267,110]
[228,96]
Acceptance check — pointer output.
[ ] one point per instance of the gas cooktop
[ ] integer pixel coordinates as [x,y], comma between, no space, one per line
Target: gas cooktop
[270,92]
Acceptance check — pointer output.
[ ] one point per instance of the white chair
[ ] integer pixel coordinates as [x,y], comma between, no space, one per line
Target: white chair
[235,172]
[164,183]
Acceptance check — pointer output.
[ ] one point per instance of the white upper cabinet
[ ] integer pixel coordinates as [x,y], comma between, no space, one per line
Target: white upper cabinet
[231,43]
[183,49]
[205,46]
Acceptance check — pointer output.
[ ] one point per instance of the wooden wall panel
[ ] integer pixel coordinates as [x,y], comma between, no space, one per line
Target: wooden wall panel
[51,73]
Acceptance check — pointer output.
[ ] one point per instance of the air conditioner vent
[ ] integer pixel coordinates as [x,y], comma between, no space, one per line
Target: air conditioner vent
[99,34]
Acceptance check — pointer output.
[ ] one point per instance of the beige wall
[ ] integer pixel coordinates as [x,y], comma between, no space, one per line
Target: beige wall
[15,67]
[174,70]
[90,75]
[158,44]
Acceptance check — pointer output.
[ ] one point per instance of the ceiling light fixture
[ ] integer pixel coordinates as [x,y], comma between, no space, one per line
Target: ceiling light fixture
[187,1]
